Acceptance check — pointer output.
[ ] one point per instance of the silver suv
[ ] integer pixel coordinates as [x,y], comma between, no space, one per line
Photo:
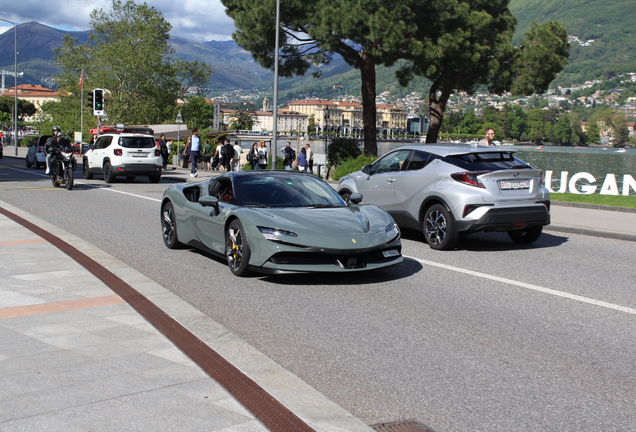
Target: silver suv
[446,190]
[124,154]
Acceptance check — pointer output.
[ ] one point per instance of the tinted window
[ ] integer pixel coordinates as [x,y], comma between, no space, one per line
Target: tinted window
[491,161]
[136,142]
[103,142]
[419,160]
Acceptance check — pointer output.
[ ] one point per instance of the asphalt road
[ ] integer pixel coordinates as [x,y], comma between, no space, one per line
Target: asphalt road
[491,337]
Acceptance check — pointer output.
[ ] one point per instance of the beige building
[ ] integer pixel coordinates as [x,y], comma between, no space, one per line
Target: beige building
[36,94]
[346,117]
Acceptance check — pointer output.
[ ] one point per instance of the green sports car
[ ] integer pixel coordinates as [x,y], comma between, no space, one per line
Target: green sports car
[278,222]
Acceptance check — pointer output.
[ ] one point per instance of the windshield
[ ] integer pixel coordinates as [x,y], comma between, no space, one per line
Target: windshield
[285,190]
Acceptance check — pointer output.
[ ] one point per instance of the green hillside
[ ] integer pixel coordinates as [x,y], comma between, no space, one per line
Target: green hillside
[610,23]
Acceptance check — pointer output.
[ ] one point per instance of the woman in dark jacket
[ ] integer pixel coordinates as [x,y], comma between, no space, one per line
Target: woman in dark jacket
[253,157]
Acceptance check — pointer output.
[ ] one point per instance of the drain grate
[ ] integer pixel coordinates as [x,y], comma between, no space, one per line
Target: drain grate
[401,426]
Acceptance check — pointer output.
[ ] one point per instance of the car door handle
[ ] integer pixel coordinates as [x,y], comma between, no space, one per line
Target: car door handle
[390,180]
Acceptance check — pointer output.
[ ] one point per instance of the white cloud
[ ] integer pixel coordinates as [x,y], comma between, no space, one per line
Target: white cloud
[199,20]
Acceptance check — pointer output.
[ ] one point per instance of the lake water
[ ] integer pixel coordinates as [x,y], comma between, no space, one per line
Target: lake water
[597,161]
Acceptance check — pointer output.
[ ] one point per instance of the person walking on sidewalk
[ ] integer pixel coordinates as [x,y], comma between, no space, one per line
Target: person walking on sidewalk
[289,156]
[310,159]
[488,139]
[195,152]
[163,146]
[236,161]
[206,156]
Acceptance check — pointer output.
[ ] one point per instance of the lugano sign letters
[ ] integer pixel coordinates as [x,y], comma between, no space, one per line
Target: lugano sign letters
[581,183]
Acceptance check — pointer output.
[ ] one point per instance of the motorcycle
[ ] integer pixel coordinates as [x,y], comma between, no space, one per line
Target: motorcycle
[63,164]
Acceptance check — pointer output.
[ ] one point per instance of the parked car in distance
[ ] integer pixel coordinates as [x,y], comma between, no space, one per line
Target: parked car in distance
[278,222]
[448,190]
[123,154]
[36,157]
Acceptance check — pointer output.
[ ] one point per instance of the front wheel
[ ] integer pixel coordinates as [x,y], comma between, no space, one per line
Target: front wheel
[526,236]
[237,249]
[109,175]
[54,180]
[85,170]
[439,228]
[28,162]
[169,227]
[69,177]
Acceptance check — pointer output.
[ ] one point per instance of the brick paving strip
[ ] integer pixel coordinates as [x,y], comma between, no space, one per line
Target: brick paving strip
[269,411]
[61,306]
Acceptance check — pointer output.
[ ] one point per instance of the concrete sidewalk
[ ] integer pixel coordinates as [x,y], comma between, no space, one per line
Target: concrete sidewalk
[75,356]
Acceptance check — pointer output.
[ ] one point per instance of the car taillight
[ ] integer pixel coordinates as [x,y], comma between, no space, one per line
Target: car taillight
[470,178]
[40,149]
[118,152]
[157,152]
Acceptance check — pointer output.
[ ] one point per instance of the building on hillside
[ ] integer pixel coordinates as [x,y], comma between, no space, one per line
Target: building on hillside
[287,121]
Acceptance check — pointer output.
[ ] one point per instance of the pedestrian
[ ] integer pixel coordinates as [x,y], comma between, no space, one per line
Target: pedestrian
[262,155]
[216,158]
[185,153]
[195,152]
[163,147]
[289,156]
[236,161]
[302,159]
[252,157]
[488,139]
[310,158]
[222,155]
[206,156]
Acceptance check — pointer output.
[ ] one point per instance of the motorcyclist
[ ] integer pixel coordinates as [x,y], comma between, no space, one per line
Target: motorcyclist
[51,142]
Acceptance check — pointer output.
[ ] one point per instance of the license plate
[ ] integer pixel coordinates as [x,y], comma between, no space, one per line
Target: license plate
[514,184]
[140,155]
[390,253]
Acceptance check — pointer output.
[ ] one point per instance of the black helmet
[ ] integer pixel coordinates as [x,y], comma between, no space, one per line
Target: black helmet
[57,128]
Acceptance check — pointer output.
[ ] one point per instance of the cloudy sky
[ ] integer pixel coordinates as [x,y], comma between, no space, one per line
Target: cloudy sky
[199,20]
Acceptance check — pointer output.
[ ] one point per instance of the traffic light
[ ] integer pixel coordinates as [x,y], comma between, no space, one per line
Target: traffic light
[90,100]
[98,102]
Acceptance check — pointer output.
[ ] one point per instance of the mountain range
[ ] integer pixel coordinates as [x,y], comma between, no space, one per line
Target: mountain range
[603,43]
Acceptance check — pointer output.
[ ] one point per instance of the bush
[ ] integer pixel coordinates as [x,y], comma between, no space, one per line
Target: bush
[341,149]
[352,165]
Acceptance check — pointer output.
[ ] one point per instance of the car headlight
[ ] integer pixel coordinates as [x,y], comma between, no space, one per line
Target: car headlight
[275,234]
[392,227]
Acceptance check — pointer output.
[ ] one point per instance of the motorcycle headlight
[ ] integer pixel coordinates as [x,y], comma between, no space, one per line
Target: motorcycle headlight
[392,227]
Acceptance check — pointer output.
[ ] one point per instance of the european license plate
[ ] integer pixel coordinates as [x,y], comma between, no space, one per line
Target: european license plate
[514,184]
[140,155]
[390,253]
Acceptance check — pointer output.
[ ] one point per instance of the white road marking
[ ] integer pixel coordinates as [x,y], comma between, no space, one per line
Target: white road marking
[530,286]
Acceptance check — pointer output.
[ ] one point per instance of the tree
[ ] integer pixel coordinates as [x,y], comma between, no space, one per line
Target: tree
[621,131]
[477,51]
[593,133]
[128,55]
[25,108]
[198,113]
[244,118]
[366,33]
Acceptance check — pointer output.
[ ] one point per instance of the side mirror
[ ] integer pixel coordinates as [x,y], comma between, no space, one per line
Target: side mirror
[210,201]
[355,198]
[366,169]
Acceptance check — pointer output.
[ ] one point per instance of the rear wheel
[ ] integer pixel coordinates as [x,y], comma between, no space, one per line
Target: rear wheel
[169,227]
[526,236]
[109,175]
[85,171]
[69,177]
[439,228]
[237,249]
[155,177]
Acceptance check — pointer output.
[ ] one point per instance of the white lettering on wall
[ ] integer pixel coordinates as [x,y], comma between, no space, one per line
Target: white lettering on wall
[609,187]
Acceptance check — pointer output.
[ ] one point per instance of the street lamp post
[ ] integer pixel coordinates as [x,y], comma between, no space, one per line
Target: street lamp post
[326,119]
[15,85]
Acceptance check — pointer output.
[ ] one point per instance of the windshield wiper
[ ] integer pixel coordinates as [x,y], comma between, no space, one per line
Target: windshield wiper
[520,167]
[323,206]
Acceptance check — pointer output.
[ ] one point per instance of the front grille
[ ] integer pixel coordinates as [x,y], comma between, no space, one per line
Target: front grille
[347,261]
